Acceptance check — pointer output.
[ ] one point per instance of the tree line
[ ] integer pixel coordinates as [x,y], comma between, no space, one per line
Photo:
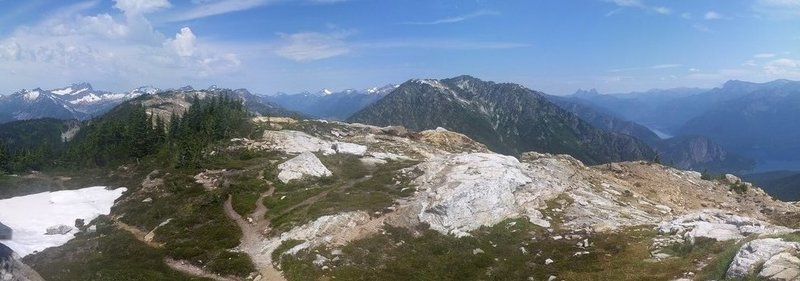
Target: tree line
[130,133]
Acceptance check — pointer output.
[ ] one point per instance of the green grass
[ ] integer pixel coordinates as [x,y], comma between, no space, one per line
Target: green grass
[509,253]
[245,192]
[109,254]
[199,231]
[231,263]
[352,187]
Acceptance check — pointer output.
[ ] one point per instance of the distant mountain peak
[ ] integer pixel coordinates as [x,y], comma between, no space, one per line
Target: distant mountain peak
[590,92]
[382,90]
[74,89]
[147,89]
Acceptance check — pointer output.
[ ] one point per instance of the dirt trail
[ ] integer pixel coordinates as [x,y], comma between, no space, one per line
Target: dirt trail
[190,269]
[253,240]
[136,232]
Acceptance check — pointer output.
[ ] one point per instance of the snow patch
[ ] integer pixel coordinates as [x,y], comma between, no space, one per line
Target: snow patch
[30,216]
[32,95]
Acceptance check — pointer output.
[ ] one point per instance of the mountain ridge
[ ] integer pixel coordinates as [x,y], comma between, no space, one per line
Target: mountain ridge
[507,117]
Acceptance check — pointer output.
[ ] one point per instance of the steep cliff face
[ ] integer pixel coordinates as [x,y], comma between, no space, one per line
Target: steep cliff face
[508,118]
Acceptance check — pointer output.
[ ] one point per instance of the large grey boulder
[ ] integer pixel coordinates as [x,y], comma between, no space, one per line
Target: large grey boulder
[58,230]
[776,255]
[304,165]
[783,266]
[12,269]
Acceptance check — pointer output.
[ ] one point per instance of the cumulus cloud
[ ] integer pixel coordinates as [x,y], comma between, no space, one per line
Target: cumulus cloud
[309,46]
[124,49]
[764,56]
[184,42]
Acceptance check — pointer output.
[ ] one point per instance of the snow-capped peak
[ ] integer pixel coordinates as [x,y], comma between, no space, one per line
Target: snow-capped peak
[382,90]
[32,94]
[145,90]
[326,91]
[73,89]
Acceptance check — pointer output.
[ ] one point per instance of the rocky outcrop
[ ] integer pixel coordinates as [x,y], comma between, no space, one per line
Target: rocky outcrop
[775,257]
[295,142]
[717,225]
[12,269]
[304,165]
[463,192]
[783,266]
[451,141]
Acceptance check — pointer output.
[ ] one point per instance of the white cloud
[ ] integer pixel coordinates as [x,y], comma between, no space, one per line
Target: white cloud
[782,66]
[309,46]
[712,15]
[665,66]
[184,42]
[629,3]
[476,14]
[139,7]
[639,5]
[764,56]
[652,67]
[219,7]
[123,53]
[663,10]
[687,16]
[208,8]
[779,9]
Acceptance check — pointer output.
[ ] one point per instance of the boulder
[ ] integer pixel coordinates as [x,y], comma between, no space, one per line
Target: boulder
[717,225]
[783,266]
[760,251]
[58,230]
[349,148]
[304,165]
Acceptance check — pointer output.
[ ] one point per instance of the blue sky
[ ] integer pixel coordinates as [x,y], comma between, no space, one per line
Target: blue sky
[555,46]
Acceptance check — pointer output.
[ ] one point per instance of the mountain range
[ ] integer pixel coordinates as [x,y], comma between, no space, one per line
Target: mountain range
[693,152]
[508,118]
[81,101]
[77,101]
[745,118]
[328,104]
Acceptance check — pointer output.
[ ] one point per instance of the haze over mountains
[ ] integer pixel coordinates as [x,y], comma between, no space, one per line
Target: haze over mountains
[749,119]
[327,104]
